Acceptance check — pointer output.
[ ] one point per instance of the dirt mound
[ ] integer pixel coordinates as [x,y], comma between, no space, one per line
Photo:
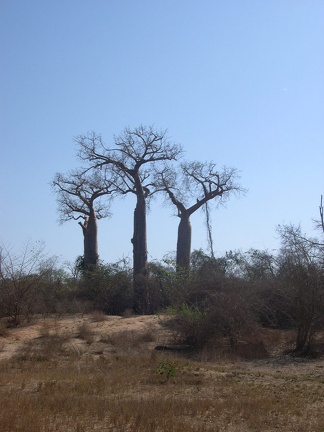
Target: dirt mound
[91,333]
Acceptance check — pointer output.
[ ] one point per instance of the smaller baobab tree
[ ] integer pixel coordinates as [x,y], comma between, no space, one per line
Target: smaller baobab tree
[189,189]
[80,196]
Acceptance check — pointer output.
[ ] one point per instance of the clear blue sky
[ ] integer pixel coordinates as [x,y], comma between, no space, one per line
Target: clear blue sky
[239,82]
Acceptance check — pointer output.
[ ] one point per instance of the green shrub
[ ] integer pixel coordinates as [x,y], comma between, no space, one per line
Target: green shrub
[167,369]
[108,288]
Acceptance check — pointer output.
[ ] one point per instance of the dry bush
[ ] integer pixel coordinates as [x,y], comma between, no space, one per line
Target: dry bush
[98,316]
[217,307]
[85,332]
[48,328]
[22,277]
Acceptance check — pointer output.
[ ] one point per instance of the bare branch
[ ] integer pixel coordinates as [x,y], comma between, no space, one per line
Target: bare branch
[77,193]
[132,149]
[200,182]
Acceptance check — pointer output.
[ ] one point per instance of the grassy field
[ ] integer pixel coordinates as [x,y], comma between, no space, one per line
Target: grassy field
[96,377]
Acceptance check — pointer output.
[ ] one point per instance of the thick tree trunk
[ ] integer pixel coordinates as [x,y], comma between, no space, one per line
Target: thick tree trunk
[140,263]
[184,243]
[90,234]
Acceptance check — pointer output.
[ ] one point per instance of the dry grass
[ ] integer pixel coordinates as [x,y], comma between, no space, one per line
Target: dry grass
[49,387]
[128,340]
[86,333]
[50,345]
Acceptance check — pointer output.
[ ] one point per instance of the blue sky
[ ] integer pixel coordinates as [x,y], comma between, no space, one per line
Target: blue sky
[239,82]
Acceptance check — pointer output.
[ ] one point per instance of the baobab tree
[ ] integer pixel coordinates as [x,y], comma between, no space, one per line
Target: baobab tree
[198,183]
[133,156]
[79,196]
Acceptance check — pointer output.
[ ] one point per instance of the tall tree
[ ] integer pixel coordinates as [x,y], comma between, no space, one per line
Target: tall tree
[133,156]
[79,196]
[198,183]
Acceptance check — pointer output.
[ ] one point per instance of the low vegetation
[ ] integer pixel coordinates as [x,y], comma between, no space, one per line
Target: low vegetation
[51,384]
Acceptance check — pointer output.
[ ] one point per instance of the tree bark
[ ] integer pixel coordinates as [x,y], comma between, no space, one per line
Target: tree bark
[139,239]
[184,242]
[90,239]
[139,242]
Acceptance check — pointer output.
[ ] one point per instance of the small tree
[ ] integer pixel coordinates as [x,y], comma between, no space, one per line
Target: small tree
[79,195]
[301,274]
[198,183]
[132,157]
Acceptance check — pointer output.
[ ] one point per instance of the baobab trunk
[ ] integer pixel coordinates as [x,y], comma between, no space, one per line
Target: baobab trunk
[90,236]
[140,264]
[184,243]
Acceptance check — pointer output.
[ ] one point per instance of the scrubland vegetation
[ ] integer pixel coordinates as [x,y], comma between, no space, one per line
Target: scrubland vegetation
[233,297]
[232,328]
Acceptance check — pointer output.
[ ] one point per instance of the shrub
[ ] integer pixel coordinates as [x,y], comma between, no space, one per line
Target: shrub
[21,278]
[85,332]
[219,307]
[190,326]
[167,369]
[108,288]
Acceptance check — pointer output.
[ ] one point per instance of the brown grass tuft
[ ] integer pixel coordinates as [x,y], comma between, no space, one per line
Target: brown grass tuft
[85,332]
[98,316]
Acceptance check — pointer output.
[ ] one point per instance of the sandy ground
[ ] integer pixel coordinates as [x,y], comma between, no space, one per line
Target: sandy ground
[112,334]
[150,325]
